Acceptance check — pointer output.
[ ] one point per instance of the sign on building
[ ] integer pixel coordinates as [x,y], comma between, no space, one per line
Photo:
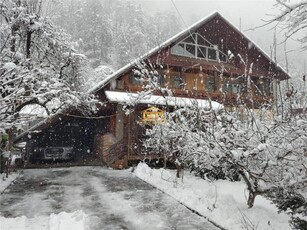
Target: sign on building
[153,115]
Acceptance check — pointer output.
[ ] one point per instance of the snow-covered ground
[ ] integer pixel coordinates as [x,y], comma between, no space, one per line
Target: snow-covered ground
[91,198]
[61,221]
[221,201]
[5,182]
[82,198]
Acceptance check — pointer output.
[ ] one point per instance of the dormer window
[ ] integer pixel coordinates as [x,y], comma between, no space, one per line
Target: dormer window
[195,46]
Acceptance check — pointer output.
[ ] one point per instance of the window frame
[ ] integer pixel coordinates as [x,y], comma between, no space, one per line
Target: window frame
[159,79]
[235,85]
[264,88]
[197,48]
[180,78]
[133,79]
[210,81]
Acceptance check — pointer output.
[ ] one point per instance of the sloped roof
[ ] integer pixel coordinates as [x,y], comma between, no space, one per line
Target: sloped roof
[175,38]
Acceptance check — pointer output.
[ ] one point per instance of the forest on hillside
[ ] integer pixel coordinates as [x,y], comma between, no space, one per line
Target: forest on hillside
[113,32]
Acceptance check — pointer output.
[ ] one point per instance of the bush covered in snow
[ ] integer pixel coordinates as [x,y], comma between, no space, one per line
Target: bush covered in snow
[292,202]
[266,154]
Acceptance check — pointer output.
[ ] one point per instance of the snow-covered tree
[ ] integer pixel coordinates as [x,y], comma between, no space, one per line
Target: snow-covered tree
[292,18]
[37,64]
[119,31]
[265,154]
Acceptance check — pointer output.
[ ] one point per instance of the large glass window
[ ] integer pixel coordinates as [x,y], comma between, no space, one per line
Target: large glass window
[198,47]
[202,52]
[210,83]
[179,49]
[158,79]
[178,82]
[212,54]
[190,39]
[263,87]
[202,42]
[233,86]
[227,87]
[223,57]
[267,87]
[237,88]
[190,50]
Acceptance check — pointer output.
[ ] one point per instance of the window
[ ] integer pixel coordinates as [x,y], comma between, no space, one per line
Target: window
[227,87]
[201,41]
[198,47]
[120,84]
[223,57]
[158,79]
[136,78]
[212,54]
[237,88]
[179,49]
[267,87]
[184,50]
[210,83]
[190,50]
[178,82]
[190,39]
[232,85]
[263,87]
[201,52]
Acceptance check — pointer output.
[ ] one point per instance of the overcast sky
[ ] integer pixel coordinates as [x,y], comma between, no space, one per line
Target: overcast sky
[251,13]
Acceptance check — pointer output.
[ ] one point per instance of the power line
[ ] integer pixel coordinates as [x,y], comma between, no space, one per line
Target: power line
[185,25]
[179,14]
[88,117]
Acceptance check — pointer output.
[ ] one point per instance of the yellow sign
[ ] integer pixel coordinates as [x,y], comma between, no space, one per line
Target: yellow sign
[153,115]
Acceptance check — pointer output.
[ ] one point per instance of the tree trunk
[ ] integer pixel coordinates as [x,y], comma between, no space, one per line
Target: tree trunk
[165,161]
[253,192]
[179,168]
[28,46]
[178,171]
[251,199]
[11,133]
[14,30]
[9,145]
[7,166]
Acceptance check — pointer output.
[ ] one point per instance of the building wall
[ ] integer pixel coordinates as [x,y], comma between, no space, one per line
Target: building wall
[228,88]
[120,117]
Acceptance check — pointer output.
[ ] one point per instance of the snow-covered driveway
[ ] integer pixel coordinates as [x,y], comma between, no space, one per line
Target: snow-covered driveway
[111,199]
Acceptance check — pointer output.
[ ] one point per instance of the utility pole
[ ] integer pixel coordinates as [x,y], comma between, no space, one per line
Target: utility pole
[275,81]
[240,24]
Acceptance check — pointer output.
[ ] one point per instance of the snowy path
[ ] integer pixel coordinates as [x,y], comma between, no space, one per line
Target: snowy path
[111,199]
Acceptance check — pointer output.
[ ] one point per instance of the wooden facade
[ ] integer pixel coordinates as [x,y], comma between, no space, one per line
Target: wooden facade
[210,60]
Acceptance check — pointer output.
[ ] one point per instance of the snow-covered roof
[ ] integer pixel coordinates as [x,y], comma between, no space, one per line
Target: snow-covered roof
[185,32]
[39,126]
[123,97]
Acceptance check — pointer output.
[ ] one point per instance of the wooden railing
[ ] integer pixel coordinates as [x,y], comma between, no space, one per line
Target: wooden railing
[116,152]
[120,149]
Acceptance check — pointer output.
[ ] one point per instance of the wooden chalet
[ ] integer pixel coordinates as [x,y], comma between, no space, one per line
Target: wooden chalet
[211,59]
